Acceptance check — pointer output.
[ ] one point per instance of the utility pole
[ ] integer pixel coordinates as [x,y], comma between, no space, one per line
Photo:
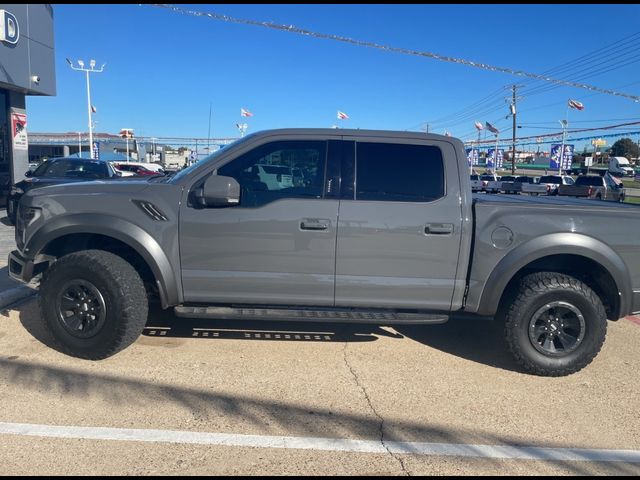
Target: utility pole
[209,131]
[513,138]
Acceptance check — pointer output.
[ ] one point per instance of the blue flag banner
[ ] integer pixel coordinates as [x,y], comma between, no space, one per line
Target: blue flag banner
[472,156]
[559,161]
[491,160]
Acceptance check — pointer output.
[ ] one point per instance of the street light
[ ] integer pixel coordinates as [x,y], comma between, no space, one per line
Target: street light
[127,133]
[91,69]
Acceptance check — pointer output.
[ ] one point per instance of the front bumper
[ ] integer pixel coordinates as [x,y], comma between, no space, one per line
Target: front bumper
[20,268]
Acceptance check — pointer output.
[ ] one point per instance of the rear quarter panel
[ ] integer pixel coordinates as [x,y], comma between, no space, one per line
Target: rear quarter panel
[510,234]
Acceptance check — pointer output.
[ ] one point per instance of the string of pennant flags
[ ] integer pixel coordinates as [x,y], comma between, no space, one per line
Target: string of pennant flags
[389,48]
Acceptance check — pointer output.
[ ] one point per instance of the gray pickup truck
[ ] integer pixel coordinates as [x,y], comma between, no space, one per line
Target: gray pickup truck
[605,187]
[378,228]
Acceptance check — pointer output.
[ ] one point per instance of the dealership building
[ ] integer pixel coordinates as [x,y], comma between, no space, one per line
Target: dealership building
[27,67]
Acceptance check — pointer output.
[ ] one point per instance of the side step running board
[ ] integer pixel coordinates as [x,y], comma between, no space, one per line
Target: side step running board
[309,315]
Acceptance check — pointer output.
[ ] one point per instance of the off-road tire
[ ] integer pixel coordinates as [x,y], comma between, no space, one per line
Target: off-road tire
[534,293]
[121,293]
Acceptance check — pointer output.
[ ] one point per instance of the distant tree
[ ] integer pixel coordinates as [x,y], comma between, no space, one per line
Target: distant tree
[625,147]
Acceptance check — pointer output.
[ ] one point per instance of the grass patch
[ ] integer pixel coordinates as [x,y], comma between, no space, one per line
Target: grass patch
[628,183]
[632,200]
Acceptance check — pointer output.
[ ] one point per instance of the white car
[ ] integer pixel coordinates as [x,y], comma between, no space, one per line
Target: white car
[476,183]
[138,168]
[490,183]
[552,182]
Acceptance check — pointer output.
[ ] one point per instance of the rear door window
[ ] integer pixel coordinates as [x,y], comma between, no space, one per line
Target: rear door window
[399,173]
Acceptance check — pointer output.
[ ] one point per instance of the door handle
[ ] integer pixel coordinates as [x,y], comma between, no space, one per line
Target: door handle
[438,229]
[316,224]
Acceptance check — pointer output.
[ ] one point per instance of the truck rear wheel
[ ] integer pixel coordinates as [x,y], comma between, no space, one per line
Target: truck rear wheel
[93,303]
[556,324]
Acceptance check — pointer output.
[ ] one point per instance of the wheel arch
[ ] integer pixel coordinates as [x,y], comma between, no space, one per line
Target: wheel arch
[84,231]
[586,258]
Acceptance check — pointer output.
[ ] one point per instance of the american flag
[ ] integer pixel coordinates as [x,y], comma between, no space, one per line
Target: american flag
[491,128]
[576,105]
[93,109]
[245,113]
[342,116]
[479,126]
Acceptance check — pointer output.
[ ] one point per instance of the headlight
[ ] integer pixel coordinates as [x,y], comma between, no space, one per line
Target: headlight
[28,214]
[16,190]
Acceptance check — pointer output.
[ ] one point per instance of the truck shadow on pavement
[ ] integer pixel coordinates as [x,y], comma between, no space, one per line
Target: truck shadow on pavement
[165,324]
[266,416]
[477,339]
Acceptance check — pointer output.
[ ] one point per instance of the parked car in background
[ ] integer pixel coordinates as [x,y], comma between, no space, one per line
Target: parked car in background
[552,182]
[139,168]
[476,183]
[56,171]
[490,183]
[606,187]
[524,184]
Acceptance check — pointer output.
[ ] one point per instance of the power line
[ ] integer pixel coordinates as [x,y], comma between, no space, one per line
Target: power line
[556,134]
[406,51]
[595,54]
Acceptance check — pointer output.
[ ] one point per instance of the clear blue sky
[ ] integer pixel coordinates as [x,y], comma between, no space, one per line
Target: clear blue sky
[163,69]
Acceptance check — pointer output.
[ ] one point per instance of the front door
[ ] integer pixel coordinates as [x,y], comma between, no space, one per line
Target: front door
[278,245]
[399,231]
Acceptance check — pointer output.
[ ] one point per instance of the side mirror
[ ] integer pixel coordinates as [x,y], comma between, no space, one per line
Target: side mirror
[28,173]
[219,191]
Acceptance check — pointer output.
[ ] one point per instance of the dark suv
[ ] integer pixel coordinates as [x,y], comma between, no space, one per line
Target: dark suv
[56,171]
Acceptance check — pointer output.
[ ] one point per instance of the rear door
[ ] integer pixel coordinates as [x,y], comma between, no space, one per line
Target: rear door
[399,228]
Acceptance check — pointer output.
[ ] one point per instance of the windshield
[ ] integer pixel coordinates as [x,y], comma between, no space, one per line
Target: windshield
[73,168]
[551,179]
[590,181]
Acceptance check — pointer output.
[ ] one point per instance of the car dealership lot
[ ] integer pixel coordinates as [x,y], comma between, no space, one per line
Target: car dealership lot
[274,390]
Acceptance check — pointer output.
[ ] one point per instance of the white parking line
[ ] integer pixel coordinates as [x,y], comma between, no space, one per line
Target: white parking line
[324,444]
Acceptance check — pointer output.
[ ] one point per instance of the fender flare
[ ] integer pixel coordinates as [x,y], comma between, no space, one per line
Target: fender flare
[130,234]
[555,244]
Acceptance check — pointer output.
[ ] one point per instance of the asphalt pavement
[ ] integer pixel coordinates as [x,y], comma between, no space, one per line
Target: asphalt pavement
[224,397]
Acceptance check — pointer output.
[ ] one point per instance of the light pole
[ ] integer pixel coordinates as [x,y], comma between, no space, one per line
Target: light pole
[127,133]
[242,127]
[153,148]
[91,69]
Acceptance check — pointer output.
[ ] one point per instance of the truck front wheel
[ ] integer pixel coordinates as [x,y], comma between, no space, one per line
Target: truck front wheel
[556,324]
[93,303]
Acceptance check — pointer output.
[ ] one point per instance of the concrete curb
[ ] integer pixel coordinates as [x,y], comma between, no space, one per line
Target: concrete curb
[15,294]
